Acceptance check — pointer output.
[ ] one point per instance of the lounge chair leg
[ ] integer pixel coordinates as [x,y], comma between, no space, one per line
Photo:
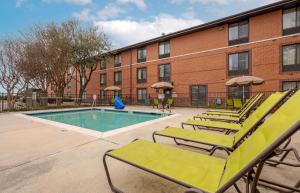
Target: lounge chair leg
[279,187]
[112,187]
[221,148]
[153,137]
[237,188]
[176,141]
[256,177]
[275,163]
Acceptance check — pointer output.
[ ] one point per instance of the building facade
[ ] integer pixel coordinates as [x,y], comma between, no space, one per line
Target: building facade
[264,42]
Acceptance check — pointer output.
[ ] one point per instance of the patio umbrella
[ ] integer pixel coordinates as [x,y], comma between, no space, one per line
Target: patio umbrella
[162,85]
[244,81]
[112,88]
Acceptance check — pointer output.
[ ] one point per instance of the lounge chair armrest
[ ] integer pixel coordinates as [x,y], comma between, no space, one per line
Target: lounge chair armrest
[193,190]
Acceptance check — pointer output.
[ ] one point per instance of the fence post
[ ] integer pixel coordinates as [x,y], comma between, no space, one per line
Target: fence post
[2,102]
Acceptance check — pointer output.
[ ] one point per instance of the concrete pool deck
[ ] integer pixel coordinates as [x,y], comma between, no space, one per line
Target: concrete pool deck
[37,157]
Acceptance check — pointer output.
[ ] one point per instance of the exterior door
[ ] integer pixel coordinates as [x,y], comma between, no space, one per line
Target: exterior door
[198,95]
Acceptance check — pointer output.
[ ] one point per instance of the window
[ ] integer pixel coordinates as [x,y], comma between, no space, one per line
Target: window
[103,79]
[117,60]
[291,21]
[103,64]
[83,80]
[118,78]
[291,57]
[236,92]
[69,86]
[238,33]
[141,95]
[288,85]
[238,63]
[118,93]
[141,54]
[141,75]
[198,94]
[102,95]
[164,72]
[70,72]
[164,49]
[84,95]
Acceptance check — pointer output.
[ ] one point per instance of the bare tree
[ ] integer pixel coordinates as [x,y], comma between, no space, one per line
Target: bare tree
[48,56]
[34,68]
[11,78]
[89,47]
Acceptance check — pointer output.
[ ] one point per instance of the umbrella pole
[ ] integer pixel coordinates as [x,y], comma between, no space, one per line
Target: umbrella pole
[243,94]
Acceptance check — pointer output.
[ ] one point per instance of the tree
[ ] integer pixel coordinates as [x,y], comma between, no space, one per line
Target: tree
[89,47]
[48,56]
[11,78]
[33,67]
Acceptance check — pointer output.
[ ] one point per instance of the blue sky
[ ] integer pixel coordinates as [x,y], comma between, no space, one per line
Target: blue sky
[125,21]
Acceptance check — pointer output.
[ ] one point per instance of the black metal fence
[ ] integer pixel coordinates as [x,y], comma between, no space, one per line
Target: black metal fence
[20,102]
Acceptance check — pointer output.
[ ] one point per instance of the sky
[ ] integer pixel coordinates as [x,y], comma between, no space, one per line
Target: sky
[124,21]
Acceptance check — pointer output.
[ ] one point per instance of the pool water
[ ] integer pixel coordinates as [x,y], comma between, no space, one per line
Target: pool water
[99,120]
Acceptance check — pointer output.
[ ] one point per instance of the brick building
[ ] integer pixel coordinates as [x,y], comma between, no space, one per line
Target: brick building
[263,42]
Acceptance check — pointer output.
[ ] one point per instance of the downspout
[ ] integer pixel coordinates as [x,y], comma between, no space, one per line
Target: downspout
[130,76]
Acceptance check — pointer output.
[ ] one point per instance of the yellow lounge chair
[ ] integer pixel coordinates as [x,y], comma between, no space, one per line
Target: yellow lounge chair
[220,140]
[201,173]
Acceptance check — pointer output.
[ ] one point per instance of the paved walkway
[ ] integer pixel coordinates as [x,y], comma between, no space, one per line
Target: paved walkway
[36,157]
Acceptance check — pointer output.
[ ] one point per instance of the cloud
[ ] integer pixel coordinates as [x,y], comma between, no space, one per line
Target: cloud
[139,3]
[189,13]
[76,2]
[219,2]
[19,3]
[126,32]
[84,15]
[110,11]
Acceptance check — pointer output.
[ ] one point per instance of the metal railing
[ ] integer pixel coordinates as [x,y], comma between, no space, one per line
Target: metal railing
[209,100]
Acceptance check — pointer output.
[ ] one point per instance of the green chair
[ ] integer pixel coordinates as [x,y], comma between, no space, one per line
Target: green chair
[169,103]
[237,103]
[113,100]
[229,104]
[221,140]
[155,102]
[227,126]
[232,113]
[203,173]
[230,118]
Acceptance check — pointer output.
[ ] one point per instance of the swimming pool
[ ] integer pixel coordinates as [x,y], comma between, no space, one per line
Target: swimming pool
[102,120]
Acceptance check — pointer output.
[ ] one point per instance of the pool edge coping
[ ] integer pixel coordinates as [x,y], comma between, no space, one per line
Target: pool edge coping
[90,132]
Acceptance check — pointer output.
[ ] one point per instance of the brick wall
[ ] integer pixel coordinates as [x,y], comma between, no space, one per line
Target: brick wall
[201,58]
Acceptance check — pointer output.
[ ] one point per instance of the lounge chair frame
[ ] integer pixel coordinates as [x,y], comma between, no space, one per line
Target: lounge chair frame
[237,112]
[251,181]
[253,104]
[228,131]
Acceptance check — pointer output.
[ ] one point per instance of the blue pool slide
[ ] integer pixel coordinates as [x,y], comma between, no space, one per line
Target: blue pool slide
[118,103]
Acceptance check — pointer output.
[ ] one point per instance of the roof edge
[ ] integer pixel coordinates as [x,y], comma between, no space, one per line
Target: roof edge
[215,23]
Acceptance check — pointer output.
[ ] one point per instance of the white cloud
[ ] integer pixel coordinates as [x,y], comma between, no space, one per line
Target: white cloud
[139,3]
[125,32]
[220,2]
[110,11]
[76,2]
[84,15]
[19,3]
[176,2]
[189,13]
